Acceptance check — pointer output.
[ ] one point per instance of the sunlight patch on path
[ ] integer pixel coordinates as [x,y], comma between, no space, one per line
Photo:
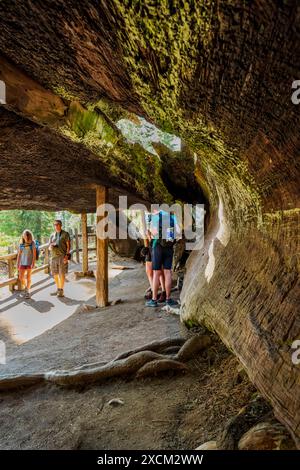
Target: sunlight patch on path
[25,319]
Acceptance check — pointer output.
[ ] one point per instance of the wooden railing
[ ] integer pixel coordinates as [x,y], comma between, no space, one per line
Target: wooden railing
[11,260]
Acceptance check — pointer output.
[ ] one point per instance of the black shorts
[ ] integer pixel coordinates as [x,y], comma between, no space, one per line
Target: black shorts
[148,257]
[162,256]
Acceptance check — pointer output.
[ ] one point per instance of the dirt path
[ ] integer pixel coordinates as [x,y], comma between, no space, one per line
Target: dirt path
[167,412]
[171,412]
[79,338]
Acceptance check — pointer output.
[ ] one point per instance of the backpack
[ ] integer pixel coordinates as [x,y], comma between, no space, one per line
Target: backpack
[168,238]
[37,247]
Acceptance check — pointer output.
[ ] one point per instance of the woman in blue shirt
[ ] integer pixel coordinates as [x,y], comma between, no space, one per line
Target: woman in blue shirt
[26,260]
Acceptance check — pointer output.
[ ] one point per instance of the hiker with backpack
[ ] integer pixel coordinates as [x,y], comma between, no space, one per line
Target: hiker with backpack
[163,235]
[146,252]
[59,245]
[26,258]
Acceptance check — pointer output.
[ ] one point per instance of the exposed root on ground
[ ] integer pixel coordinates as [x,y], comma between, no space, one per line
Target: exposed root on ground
[192,347]
[149,360]
[12,382]
[157,346]
[160,365]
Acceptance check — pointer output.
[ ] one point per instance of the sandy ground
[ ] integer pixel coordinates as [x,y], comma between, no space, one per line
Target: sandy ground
[167,412]
[47,332]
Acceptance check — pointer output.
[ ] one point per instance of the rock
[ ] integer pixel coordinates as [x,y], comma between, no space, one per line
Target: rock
[250,415]
[209,445]
[115,302]
[127,243]
[80,274]
[174,310]
[267,436]
[126,248]
[85,308]
[115,402]
[179,282]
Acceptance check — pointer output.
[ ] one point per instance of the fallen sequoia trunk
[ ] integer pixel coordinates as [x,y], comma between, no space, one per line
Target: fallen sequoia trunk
[254,311]
[142,362]
[215,74]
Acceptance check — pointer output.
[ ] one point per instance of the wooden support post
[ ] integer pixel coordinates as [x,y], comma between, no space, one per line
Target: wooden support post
[85,262]
[102,253]
[77,246]
[11,273]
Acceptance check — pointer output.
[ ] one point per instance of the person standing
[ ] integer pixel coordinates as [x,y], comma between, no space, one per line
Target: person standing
[59,246]
[25,260]
[163,234]
[148,263]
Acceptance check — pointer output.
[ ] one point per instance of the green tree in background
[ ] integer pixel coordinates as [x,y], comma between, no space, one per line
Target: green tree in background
[70,221]
[14,222]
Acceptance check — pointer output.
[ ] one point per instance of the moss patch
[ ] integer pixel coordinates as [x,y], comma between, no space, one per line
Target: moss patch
[161,48]
[130,165]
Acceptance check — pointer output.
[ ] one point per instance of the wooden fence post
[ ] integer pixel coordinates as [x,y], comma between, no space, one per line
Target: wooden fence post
[11,269]
[85,262]
[102,252]
[77,246]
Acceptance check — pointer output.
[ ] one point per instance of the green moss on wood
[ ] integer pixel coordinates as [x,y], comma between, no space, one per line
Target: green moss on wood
[129,164]
[161,51]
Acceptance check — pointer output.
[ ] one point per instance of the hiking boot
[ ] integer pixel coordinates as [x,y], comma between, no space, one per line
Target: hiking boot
[60,293]
[54,292]
[162,297]
[27,294]
[148,295]
[151,303]
[172,303]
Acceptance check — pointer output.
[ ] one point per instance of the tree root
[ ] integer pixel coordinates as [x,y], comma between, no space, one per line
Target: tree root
[160,365]
[157,346]
[170,350]
[90,365]
[167,346]
[192,347]
[120,368]
[149,360]
[12,382]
